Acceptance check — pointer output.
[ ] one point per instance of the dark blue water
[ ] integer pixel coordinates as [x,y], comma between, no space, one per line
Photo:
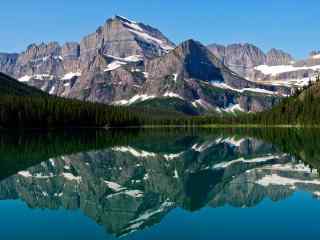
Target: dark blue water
[296,218]
[168,186]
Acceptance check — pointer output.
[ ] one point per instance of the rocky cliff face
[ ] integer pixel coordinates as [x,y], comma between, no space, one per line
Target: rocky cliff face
[274,67]
[124,62]
[239,57]
[206,81]
[120,37]
[277,57]
[8,62]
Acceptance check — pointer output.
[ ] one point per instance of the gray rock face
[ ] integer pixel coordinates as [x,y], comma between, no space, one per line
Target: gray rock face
[121,37]
[243,58]
[275,67]
[246,55]
[194,74]
[55,69]
[7,62]
[278,57]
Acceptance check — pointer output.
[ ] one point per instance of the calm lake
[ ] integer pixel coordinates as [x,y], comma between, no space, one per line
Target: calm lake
[160,184]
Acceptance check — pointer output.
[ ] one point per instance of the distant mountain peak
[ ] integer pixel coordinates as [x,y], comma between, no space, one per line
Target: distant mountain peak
[315,54]
[123,19]
[147,36]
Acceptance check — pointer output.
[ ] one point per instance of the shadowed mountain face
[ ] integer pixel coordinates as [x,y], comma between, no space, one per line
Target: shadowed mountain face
[131,181]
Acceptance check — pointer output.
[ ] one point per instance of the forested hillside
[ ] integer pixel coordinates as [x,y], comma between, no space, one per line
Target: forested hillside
[9,86]
[301,109]
[22,106]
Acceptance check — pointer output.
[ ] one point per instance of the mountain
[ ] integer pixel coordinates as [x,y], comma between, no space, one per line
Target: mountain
[274,67]
[193,74]
[276,57]
[128,63]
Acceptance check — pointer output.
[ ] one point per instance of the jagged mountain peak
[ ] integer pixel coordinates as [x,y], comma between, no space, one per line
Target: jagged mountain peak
[121,37]
[243,45]
[192,44]
[190,58]
[278,57]
[239,56]
[145,32]
[123,19]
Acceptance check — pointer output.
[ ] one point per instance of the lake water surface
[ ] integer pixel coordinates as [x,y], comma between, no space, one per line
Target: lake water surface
[160,184]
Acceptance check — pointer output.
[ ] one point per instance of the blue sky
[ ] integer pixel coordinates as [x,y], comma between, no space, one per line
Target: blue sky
[292,25]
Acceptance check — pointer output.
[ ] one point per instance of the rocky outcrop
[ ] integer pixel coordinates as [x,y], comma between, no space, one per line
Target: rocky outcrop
[278,57]
[239,57]
[205,79]
[121,37]
[8,62]
[276,67]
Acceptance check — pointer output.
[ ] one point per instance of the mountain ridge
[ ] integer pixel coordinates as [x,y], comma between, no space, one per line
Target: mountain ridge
[119,62]
[275,67]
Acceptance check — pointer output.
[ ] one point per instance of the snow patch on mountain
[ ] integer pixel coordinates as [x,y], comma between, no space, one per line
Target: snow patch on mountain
[277,180]
[129,59]
[27,78]
[290,167]
[233,141]
[52,90]
[114,65]
[226,86]
[316,56]
[119,62]
[172,156]
[276,70]
[71,177]
[71,75]
[136,98]
[242,160]
[175,77]
[25,174]
[114,186]
[137,30]
[176,174]
[134,152]
[204,104]
[233,108]
[202,147]
[147,215]
[172,95]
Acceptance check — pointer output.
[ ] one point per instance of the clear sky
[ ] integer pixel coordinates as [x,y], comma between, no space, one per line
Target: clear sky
[291,25]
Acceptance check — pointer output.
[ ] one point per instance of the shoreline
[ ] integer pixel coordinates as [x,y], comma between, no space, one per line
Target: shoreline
[208,126]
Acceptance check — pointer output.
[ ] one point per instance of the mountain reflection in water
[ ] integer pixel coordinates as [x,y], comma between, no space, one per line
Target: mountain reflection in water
[130,182]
